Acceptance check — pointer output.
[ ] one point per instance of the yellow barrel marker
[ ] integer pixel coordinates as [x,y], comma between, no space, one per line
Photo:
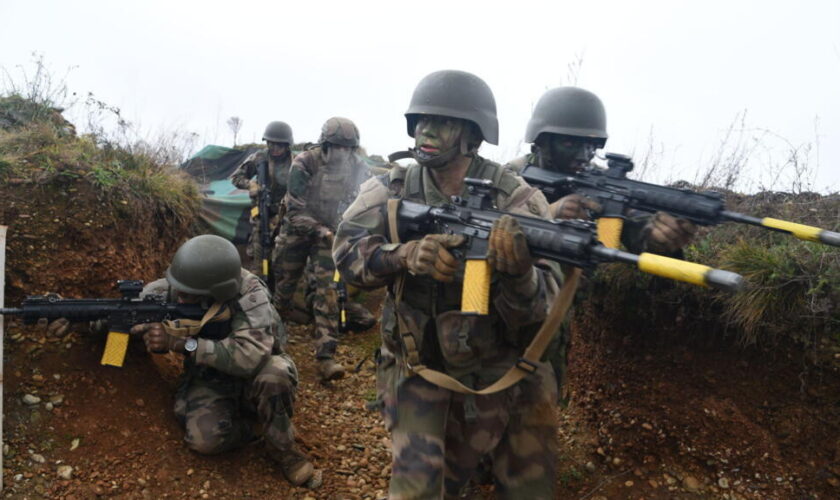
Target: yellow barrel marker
[609,231]
[115,348]
[676,269]
[265,267]
[475,297]
[336,279]
[255,211]
[801,231]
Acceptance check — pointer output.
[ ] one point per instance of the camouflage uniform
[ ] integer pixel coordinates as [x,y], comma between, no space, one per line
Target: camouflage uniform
[438,435]
[278,173]
[314,202]
[246,370]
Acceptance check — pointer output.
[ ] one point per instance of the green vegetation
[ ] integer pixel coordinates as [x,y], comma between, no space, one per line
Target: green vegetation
[793,286]
[37,145]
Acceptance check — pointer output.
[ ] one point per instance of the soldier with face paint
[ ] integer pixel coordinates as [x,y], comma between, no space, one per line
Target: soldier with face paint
[438,434]
[278,154]
[323,181]
[566,128]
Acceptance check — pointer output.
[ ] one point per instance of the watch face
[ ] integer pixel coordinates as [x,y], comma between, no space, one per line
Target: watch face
[191,345]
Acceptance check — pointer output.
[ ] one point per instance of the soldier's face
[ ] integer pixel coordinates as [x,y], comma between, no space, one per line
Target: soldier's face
[278,148]
[568,154]
[436,134]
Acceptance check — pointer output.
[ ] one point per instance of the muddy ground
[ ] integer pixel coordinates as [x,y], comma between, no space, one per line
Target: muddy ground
[647,419]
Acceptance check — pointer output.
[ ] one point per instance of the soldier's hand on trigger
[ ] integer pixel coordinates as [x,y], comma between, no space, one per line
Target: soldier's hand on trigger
[667,234]
[508,248]
[430,256]
[574,206]
[156,338]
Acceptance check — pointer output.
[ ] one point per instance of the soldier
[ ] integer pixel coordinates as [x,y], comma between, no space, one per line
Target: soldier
[566,128]
[236,362]
[322,183]
[439,434]
[278,154]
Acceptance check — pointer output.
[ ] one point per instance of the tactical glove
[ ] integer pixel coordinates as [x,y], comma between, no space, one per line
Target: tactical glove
[253,188]
[573,206]
[430,256]
[157,340]
[508,249]
[667,234]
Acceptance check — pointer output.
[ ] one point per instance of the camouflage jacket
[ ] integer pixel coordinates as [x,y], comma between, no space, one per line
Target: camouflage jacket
[473,348]
[278,173]
[633,234]
[316,195]
[256,331]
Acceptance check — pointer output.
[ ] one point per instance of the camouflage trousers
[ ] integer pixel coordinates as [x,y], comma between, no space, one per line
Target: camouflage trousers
[440,436]
[214,407]
[359,318]
[291,251]
[255,249]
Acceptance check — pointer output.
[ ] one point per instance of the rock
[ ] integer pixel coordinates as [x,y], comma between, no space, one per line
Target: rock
[628,484]
[691,484]
[57,399]
[190,472]
[65,472]
[38,458]
[139,402]
[49,406]
[18,477]
[30,399]
[74,444]
[833,481]
[723,483]
[590,466]
[6,449]
[647,426]
[616,461]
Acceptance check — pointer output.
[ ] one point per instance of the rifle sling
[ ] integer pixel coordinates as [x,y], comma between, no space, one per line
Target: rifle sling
[526,365]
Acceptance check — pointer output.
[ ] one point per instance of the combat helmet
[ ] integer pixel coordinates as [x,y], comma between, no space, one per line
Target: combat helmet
[340,131]
[206,265]
[456,94]
[278,132]
[569,111]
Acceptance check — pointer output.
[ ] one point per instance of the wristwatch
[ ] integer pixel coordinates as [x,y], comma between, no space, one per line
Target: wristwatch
[190,345]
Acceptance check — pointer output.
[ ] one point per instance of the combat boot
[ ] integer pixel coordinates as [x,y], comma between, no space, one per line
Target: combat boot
[296,467]
[359,319]
[329,369]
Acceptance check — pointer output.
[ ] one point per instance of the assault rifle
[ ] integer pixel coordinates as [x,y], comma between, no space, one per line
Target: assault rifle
[264,213]
[615,193]
[121,314]
[572,242]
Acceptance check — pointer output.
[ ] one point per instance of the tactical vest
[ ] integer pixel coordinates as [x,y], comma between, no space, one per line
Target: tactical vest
[278,172]
[448,340]
[331,190]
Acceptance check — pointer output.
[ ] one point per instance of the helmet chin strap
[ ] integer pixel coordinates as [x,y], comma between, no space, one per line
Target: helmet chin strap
[435,161]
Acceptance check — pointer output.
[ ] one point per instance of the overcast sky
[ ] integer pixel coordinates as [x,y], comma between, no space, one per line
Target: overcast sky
[673,74]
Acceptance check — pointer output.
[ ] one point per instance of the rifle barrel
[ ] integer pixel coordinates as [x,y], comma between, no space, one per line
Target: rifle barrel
[801,231]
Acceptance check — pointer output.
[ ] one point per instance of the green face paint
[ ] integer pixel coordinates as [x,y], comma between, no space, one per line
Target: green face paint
[434,135]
